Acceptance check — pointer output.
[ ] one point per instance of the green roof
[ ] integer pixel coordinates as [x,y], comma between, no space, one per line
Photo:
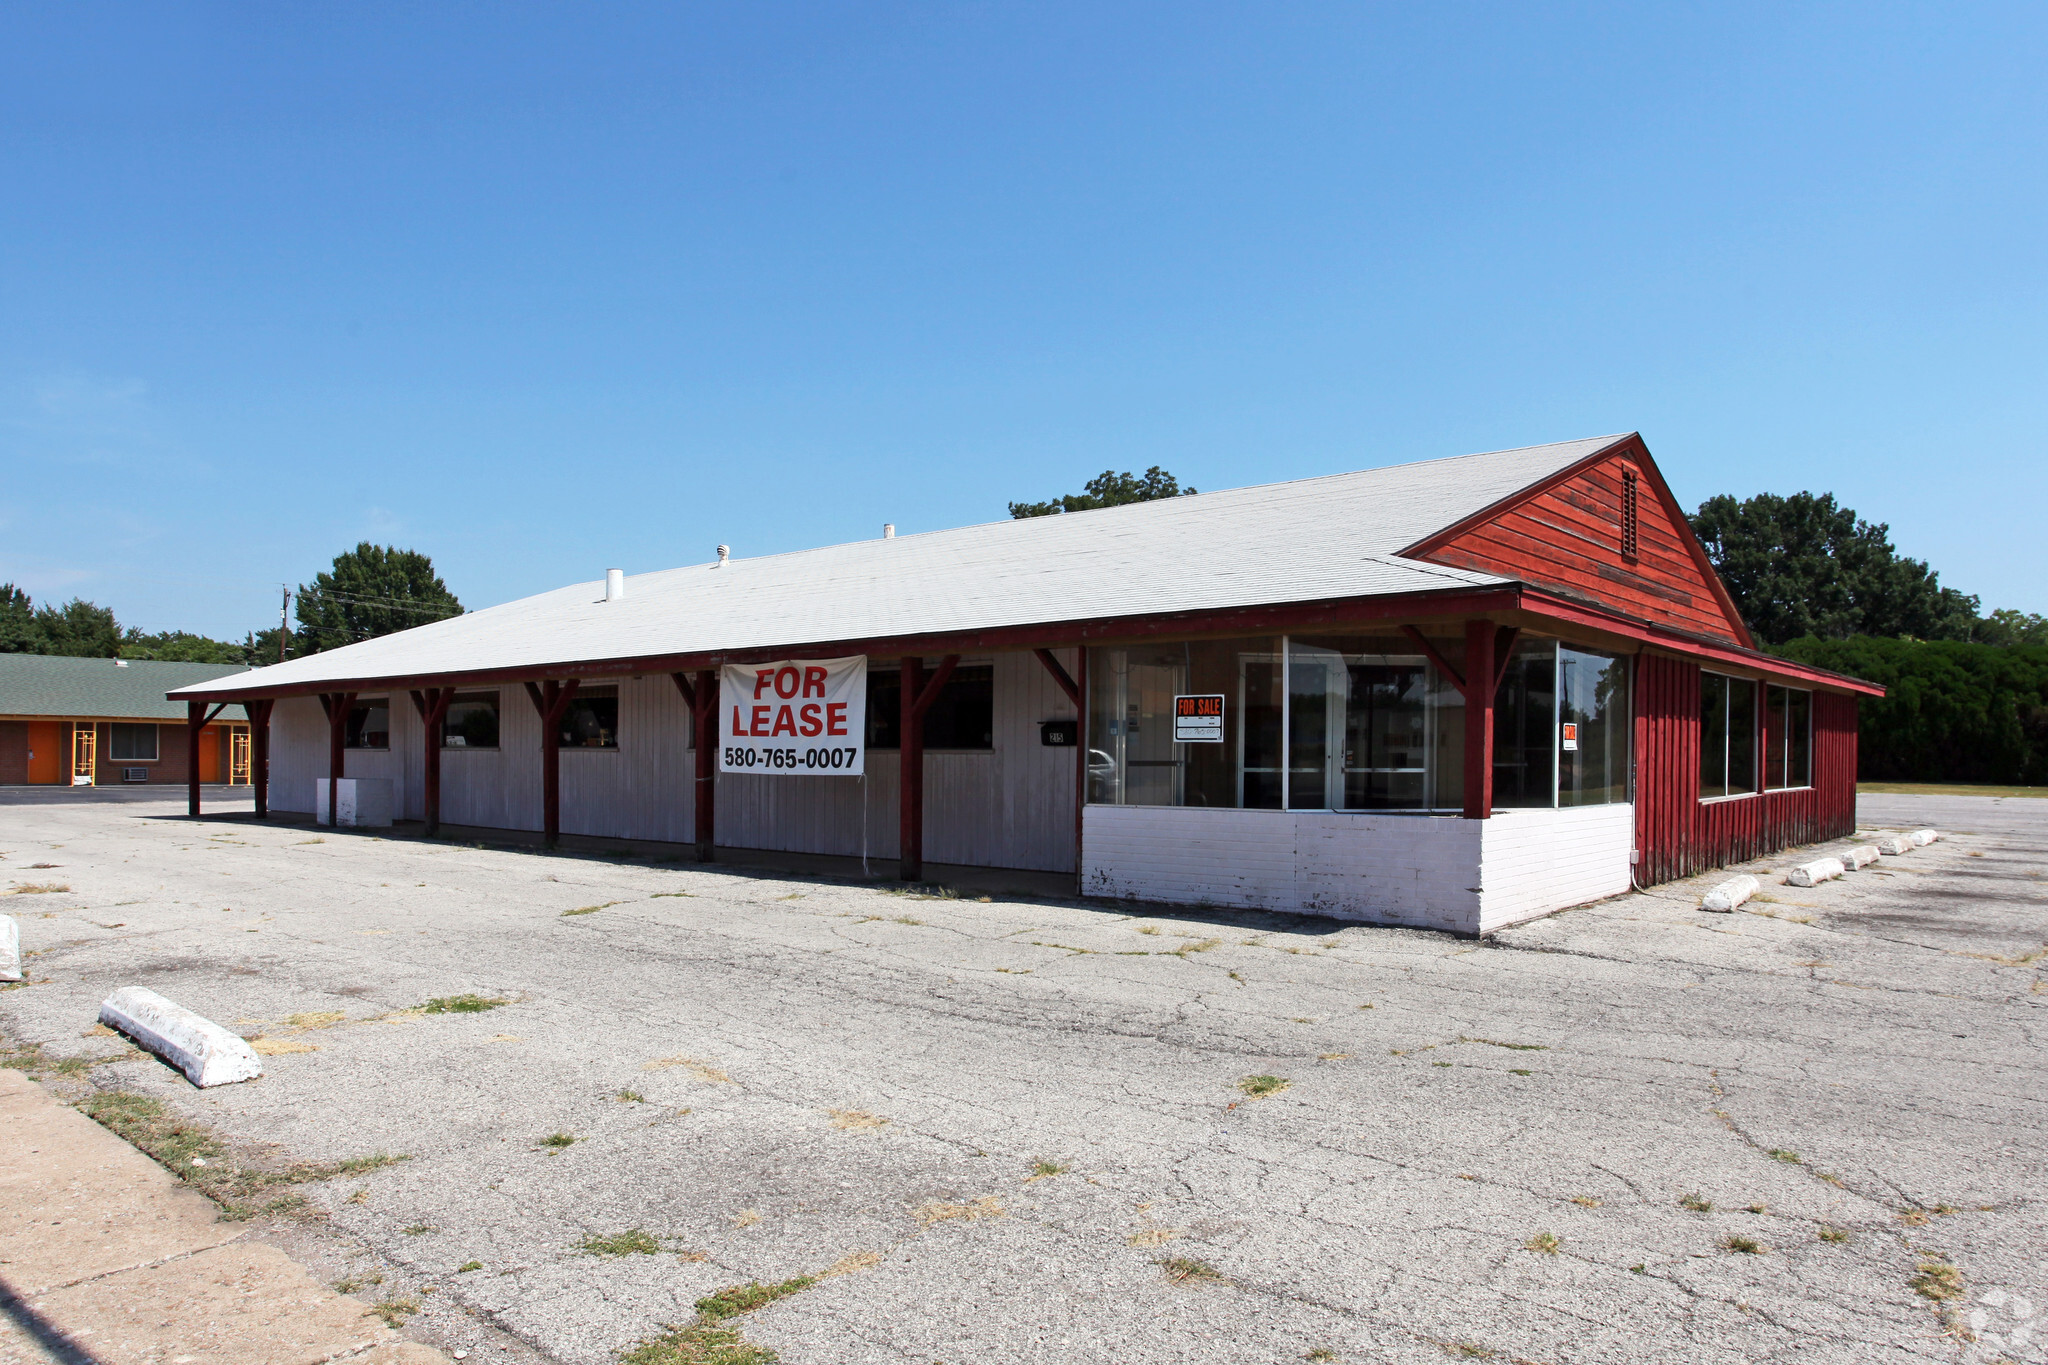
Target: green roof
[101,689]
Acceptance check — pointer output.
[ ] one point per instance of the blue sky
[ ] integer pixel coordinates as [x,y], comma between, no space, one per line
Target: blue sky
[540,290]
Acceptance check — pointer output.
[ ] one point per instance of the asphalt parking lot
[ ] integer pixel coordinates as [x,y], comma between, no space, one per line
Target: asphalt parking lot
[1028,1130]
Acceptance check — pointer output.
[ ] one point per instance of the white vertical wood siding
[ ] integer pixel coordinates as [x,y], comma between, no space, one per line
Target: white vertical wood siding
[1464,876]
[1012,806]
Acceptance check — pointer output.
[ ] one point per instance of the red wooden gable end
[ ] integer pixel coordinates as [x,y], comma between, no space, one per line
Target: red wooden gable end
[1570,533]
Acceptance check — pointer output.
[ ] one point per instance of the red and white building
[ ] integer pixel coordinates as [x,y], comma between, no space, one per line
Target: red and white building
[1455,694]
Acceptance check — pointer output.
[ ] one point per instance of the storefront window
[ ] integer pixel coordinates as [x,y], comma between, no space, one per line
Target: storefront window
[1348,723]
[592,719]
[1788,737]
[1525,729]
[369,724]
[472,721]
[1365,723]
[1593,728]
[1727,736]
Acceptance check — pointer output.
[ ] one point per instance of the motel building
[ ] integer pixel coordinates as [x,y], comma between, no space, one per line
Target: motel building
[1455,694]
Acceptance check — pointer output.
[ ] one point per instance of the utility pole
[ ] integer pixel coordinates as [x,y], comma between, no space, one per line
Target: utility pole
[284,601]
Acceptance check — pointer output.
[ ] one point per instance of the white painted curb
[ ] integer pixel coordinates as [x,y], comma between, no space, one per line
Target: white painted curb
[10,949]
[1895,844]
[1861,856]
[1731,893]
[207,1053]
[1814,873]
[1923,837]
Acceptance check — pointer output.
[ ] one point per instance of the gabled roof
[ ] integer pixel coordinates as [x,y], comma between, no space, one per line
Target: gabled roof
[100,689]
[1308,540]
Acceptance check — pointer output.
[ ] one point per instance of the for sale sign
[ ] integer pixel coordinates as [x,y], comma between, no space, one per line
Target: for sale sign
[801,717]
[1198,719]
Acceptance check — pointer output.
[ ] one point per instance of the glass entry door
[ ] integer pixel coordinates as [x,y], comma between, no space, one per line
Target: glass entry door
[84,754]
[1358,732]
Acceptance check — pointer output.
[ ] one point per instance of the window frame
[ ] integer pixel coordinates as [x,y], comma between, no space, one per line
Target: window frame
[497,705]
[114,728]
[1778,709]
[366,705]
[1756,737]
[891,677]
[611,692]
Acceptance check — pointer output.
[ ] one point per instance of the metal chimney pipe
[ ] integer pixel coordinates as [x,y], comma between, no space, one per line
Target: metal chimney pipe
[888,530]
[724,551]
[614,584]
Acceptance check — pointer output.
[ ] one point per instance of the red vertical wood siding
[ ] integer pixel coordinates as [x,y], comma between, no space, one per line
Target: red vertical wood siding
[1569,536]
[1679,834]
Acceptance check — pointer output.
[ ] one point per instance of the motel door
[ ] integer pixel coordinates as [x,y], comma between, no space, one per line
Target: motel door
[238,757]
[84,754]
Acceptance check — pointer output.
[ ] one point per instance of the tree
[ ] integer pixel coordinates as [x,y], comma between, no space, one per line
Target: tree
[1800,565]
[372,590]
[80,629]
[180,646]
[1107,489]
[2008,627]
[19,633]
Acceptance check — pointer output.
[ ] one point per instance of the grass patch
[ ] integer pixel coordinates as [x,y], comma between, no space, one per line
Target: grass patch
[1152,1237]
[556,1142]
[38,888]
[745,1298]
[684,895]
[394,1312]
[1784,1154]
[467,1003]
[850,1262]
[1198,946]
[1515,1047]
[1520,1071]
[1829,1233]
[419,1229]
[631,1242]
[1748,1246]
[588,909]
[1041,1170]
[856,1119]
[1586,1201]
[1320,1353]
[1469,1350]
[630,1097]
[31,1058]
[1937,1280]
[703,1071]
[1258,1087]
[1546,1243]
[191,1152]
[699,1344]
[1188,1270]
[1946,789]
[468,1266]
[1696,1204]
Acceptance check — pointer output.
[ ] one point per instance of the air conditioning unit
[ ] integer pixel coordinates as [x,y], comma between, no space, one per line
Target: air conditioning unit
[135,774]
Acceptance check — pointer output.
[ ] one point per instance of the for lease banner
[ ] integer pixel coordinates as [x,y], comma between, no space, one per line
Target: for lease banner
[797,717]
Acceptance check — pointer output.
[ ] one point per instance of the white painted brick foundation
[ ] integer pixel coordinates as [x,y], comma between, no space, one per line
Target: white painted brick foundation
[1434,872]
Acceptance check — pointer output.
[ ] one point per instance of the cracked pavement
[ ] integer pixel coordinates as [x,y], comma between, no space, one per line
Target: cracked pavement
[826,1074]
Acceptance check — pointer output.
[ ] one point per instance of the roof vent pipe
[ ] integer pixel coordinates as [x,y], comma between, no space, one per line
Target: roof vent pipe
[614,584]
[888,530]
[724,553]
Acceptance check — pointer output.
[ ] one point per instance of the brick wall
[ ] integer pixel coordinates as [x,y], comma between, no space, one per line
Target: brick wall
[13,752]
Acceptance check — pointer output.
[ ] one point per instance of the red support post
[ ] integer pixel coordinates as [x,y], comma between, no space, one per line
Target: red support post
[337,706]
[701,696]
[706,795]
[1479,687]
[1080,760]
[552,700]
[918,696]
[195,721]
[259,753]
[432,706]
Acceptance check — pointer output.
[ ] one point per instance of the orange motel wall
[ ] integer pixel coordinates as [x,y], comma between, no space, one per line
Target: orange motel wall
[1679,834]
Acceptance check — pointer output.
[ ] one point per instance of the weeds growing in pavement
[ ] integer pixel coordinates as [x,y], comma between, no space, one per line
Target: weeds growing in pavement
[1696,1204]
[467,1003]
[1545,1242]
[1832,1234]
[1188,1270]
[1040,1170]
[196,1156]
[1937,1279]
[1748,1246]
[1258,1087]
[631,1242]
[556,1142]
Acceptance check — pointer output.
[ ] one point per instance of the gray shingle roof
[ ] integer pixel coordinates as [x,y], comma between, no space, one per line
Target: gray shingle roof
[101,689]
[1312,539]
